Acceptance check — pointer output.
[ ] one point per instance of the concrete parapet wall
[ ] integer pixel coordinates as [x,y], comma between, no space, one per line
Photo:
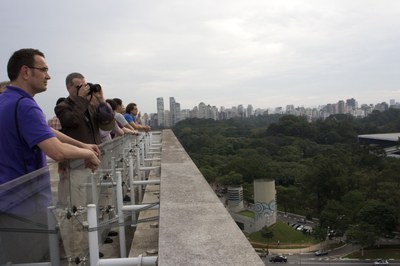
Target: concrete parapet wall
[194,227]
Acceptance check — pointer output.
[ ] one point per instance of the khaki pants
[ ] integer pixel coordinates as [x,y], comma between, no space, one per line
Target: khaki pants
[73,225]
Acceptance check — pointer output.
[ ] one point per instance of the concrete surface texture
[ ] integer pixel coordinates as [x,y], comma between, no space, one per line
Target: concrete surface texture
[195,228]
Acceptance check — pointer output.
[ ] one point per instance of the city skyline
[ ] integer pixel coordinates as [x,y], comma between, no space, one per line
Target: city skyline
[168,118]
[271,108]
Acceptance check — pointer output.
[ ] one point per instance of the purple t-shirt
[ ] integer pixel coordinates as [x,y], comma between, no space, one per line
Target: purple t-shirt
[21,155]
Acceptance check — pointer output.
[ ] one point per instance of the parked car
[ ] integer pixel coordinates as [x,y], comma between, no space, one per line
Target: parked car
[300,228]
[381,262]
[321,252]
[278,258]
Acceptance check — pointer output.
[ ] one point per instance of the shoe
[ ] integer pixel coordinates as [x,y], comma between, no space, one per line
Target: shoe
[112,233]
[108,240]
[127,198]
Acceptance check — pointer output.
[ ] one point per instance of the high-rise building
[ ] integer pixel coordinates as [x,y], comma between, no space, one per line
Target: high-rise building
[177,112]
[172,110]
[240,110]
[249,110]
[214,113]
[185,114]
[160,111]
[341,108]
[167,121]
[202,110]
[351,103]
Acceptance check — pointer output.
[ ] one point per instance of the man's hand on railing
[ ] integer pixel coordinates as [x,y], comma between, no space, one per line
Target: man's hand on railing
[93,147]
[92,162]
[147,128]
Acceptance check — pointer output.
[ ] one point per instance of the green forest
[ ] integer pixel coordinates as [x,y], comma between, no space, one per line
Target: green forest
[319,168]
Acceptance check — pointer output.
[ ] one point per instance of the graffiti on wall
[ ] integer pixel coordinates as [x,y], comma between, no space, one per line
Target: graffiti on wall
[263,209]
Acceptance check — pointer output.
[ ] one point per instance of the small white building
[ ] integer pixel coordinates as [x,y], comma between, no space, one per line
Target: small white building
[261,213]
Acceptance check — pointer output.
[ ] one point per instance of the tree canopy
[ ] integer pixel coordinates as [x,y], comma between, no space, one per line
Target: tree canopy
[319,168]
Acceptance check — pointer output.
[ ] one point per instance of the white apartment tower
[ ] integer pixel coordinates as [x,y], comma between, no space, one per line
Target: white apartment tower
[177,112]
[172,110]
[249,110]
[160,111]
[167,121]
[202,110]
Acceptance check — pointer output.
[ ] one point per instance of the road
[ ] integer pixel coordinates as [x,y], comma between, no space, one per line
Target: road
[305,259]
[333,258]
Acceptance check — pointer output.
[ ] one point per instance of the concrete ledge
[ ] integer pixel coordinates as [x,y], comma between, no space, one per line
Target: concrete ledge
[195,228]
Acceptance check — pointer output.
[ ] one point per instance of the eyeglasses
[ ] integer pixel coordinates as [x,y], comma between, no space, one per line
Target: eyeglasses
[42,69]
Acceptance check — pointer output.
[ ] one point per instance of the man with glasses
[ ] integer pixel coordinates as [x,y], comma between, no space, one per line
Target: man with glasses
[25,135]
[25,139]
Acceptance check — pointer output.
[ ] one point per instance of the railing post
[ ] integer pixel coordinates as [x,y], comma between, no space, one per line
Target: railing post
[131,181]
[139,175]
[94,188]
[121,219]
[93,235]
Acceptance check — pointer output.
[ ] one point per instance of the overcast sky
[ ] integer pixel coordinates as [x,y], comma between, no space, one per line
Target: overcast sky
[220,52]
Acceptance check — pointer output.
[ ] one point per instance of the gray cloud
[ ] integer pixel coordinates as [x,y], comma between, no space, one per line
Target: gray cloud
[265,53]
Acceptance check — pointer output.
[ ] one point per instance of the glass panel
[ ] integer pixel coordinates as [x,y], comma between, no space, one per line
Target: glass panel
[24,230]
[28,225]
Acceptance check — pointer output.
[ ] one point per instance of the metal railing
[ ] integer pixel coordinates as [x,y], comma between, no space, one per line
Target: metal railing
[61,215]
[57,214]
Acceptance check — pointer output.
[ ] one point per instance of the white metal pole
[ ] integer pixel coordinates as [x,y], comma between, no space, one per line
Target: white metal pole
[145,261]
[138,166]
[140,206]
[147,182]
[94,188]
[93,235]
[120,216]
[131,181]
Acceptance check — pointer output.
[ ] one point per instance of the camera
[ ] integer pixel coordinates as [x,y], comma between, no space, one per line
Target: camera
[94,88]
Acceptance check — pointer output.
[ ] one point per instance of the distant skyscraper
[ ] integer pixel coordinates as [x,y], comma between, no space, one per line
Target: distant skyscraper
[341,109]
[214,113]
[249,110]
[351,103]
[185,114]
[160,111]
[202,110]
[177,112]
[240,111]
[172,110]
[290,109]
[167,121]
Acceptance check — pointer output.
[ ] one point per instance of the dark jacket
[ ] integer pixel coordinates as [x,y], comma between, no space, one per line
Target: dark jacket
[78,120]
